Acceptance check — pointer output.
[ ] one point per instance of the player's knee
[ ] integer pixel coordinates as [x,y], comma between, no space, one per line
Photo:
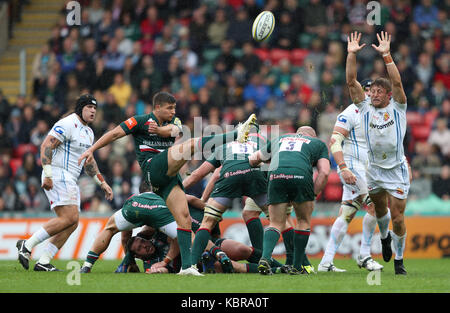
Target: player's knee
[397,219]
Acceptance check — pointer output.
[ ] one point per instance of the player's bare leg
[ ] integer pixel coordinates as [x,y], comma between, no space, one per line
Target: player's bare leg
[67,216]
[397,207]
[380,201]
[100,244]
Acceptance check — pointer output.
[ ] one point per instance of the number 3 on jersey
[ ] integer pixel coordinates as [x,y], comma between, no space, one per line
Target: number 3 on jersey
[291,146]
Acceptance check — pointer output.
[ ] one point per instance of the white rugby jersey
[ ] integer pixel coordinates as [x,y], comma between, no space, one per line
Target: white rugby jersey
[384,130]
[354,145]
[75,139]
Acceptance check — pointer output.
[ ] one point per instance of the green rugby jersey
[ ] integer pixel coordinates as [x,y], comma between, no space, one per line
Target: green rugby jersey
[295,151]
[234,155]
[147,145]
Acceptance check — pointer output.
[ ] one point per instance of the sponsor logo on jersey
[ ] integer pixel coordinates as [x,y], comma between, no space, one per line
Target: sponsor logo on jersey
[390,123]
[59,130]
[131,122]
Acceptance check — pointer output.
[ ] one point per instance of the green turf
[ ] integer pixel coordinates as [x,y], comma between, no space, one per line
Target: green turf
[423,276]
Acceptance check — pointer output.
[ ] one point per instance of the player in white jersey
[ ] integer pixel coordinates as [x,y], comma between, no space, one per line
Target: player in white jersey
[62,147]
[383,119]
[349,150]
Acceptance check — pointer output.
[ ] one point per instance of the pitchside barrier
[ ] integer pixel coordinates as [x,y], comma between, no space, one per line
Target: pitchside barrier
[428,237]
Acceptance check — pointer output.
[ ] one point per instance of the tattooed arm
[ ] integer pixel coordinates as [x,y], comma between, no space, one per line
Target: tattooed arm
[50,143]
[92,170]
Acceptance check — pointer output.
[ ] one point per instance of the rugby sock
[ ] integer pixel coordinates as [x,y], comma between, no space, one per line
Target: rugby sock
[368,228]
[48,254]
[300,241]
[275,263]
[90,259]
[399,245]
[184,237]
[214,250]
[36,238]
[201,239]
[306,261]
[255,256]
[271,236]
[383,224]
[255,232]
[337,233]
[252,268]
[288,239]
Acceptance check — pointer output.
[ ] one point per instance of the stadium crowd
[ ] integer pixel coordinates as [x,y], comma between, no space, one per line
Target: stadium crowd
[202,52]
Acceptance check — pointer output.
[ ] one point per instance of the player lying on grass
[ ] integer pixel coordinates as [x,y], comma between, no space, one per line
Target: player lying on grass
[154,249]
[149,209]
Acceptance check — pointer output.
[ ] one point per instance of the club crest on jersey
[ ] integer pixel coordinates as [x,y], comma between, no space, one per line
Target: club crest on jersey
[386,116]
[342,119]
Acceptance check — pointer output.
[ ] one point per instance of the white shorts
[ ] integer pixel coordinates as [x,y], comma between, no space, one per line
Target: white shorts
[63,193]
[122,224]
[394,180]
[351,192]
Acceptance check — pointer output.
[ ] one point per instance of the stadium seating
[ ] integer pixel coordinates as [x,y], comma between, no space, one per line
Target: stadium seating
[24,148]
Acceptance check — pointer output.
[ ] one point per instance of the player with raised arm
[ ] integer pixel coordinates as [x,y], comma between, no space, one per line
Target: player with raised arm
[62,147]
[292,157]
[348,146]
[154,136]
[383,118]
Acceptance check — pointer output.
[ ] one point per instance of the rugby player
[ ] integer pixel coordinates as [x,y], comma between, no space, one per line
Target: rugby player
[65,142]
[348,146]
[292,157]
[383,118]
[160,160]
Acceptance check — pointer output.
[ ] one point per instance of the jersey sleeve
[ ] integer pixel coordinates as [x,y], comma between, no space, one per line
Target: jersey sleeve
[321,152]
[344,121]
[214,158]
[61,130]
[133,124]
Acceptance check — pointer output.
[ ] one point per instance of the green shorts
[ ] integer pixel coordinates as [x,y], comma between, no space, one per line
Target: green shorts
[151,211]
[155,173]
[290,185]
[235,183]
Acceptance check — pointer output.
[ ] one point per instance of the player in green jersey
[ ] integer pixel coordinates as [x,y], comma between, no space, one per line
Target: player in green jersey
[160,160]
[292,157]
[236,179]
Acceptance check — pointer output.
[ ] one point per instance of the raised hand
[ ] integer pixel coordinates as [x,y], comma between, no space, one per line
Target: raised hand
[353,45]
[384,43]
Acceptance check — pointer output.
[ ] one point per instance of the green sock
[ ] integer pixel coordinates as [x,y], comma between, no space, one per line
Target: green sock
[215,141]
[255,256]
[91,258]
[184,237]
[275,263]
[300,241]
[255,232]
[252,268]
[306,261]
[271,236]
[288,239]
[201,239]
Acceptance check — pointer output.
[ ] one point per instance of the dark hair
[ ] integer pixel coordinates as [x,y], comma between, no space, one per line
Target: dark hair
[130,244]
[162,97]
[383,83]
[145,186]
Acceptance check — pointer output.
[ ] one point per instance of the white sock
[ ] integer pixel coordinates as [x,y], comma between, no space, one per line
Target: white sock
[36,239]
[49,252]
[337,233]
[399,245]
[383,224]
[368,228]
[87,264]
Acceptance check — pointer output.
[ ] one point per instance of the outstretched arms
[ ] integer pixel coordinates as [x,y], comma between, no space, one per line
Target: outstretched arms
[354,87]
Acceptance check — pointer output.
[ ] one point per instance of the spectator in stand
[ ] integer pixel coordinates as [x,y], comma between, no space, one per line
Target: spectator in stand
[257,90]
[114,59]
[226,55]
[441,137]
[198,30]
[251,61]
[286,32]
[239,23]
[121,90]
[30,166]
[152,24]
[5,141]
[421,187]
[38,134]
[119,182]
[27,124]
[67,59]
[441,184]
[42,63]
[53,93]
[160,56]
[425,14]
[34,198]
[425,160]
[96,12]
[300,89]
[10,199]
[130,27]
[187,57]
[112,113]
[217,30]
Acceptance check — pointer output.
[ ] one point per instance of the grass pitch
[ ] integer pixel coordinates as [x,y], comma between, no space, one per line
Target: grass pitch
[430,276]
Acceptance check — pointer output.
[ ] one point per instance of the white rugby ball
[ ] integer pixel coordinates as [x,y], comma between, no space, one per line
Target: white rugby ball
[263,26]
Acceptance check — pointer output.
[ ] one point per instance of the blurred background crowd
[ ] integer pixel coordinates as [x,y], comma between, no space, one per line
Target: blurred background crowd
[202,52]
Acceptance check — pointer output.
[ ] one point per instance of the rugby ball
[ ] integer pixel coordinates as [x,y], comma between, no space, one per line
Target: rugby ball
[263,26]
